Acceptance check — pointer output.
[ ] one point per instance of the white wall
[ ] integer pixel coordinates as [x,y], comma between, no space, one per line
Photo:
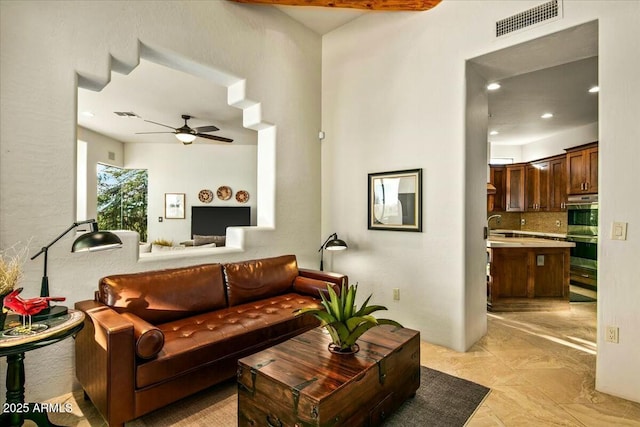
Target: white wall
[44,45]
[394,98]
[98,149]
[547,147]
[175,168]
[557,143]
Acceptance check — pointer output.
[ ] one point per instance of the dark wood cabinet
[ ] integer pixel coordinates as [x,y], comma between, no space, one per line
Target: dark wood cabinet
[528,279]
[498,177]
[582,169]
[514,196]
[537,186]
[558,184]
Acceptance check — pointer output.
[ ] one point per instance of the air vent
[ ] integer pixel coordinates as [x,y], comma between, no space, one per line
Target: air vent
[125,114]
[536,15]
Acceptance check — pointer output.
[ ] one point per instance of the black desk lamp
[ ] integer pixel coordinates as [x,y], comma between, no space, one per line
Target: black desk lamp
[331,244]
[92,241]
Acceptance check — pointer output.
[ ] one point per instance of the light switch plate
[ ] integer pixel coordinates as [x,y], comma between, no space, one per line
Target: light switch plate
[619,231]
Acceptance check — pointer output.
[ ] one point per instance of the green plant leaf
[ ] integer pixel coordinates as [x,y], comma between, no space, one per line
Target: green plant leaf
[350,299]
[343,332]
[370,309]
[334,303]
[357,333]
[389,322]
[354,322]
[364,306]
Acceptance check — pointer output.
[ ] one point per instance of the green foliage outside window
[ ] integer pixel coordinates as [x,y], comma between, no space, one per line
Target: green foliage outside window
[122,199]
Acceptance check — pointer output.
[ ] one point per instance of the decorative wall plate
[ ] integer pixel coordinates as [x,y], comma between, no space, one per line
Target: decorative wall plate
[224,193]
[242,196]
[205,196]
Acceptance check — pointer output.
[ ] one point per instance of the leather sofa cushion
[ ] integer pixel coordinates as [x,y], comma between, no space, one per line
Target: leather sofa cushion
[165,295]
[226,333]
[258,279]
[149,339]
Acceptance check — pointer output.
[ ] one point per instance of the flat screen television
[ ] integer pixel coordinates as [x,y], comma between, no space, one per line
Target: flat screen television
[214,220]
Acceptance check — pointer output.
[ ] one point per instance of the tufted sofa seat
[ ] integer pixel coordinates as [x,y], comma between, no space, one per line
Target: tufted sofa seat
[155,337]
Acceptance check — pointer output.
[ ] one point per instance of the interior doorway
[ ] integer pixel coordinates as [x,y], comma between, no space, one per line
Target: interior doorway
[561,54]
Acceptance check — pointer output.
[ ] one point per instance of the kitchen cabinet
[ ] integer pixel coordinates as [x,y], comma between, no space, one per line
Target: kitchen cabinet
[558,184]
[498,177]
[514,195]
[528,278]
[537,186]
[582,169]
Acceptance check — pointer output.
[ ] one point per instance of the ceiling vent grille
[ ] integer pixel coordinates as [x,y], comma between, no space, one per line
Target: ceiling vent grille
[125,114]
[536,15]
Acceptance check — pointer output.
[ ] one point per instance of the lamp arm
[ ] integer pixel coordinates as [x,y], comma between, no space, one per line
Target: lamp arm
[334,235]
[74,225]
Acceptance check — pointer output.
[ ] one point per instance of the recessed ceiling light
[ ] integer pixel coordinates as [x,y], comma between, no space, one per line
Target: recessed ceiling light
[88,114]
[494,132]
[493,86]
[546,115]
[594,89]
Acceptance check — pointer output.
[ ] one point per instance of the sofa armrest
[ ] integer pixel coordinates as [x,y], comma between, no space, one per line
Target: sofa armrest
[314,282]
[335,278]
[105,361]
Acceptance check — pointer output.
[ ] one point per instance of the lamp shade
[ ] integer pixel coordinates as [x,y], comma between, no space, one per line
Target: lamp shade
[335,245]
[186,138]
[96,241]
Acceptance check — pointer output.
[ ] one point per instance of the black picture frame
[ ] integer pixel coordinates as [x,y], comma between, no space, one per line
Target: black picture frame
[395,200]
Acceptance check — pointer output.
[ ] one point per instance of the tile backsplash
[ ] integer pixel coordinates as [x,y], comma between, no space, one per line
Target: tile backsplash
[543,222]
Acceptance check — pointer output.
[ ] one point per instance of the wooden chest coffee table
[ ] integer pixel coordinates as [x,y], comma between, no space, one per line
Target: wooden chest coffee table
[300,383]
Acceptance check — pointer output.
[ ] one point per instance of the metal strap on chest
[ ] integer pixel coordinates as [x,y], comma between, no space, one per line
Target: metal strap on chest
[254,373]
[295,391]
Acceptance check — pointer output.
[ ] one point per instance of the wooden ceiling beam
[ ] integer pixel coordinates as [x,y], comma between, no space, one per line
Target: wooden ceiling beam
[383,5]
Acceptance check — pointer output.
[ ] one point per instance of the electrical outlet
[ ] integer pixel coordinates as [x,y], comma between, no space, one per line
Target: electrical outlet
[396,294]
[523,221]
[612,334]
[558,223]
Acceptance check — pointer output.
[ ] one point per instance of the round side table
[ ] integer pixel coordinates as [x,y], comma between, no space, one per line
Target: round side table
[14,347]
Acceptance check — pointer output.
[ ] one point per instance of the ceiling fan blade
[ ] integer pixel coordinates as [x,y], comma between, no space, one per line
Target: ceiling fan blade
[216,138]
[156,123]
[144,133]
[210,128]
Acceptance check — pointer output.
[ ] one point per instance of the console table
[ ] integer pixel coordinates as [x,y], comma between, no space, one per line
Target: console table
[15,410]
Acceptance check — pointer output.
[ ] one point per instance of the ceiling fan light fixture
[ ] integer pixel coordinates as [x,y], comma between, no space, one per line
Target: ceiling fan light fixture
[185,138]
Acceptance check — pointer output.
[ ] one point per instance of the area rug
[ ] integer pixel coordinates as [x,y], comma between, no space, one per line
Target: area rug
[442,400]
[576,297]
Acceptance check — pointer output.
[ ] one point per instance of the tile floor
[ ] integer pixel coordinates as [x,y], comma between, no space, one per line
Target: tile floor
[540,367]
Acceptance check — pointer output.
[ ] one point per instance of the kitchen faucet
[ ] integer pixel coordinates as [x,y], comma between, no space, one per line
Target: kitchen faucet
[487,229]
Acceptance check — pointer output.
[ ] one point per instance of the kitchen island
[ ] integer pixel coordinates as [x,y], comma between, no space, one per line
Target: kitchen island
[527,274]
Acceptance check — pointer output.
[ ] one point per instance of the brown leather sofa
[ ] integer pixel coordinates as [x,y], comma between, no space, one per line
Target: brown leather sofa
[152,338]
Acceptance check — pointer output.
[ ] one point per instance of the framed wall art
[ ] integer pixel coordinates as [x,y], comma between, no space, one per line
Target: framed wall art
[174,205]
[395,200]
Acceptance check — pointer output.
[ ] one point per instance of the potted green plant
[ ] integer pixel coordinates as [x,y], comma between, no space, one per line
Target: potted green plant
[344,321]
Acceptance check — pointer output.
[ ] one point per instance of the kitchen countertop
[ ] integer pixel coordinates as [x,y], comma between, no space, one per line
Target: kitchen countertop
[529,233]
[520,242]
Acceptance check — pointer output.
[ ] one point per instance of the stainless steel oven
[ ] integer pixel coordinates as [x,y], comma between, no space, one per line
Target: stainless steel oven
[582,229]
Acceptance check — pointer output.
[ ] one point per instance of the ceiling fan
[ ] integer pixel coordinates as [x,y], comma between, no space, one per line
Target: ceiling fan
[188,134]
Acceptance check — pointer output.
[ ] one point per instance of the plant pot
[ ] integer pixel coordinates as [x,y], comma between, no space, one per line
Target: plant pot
[335,349]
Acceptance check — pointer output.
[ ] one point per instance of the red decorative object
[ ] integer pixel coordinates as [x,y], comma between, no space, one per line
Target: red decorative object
[27,307]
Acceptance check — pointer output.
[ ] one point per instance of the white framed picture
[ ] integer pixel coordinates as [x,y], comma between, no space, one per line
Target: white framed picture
[174,205]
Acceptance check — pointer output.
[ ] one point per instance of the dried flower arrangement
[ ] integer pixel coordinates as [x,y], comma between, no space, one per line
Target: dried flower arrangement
[11,261]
